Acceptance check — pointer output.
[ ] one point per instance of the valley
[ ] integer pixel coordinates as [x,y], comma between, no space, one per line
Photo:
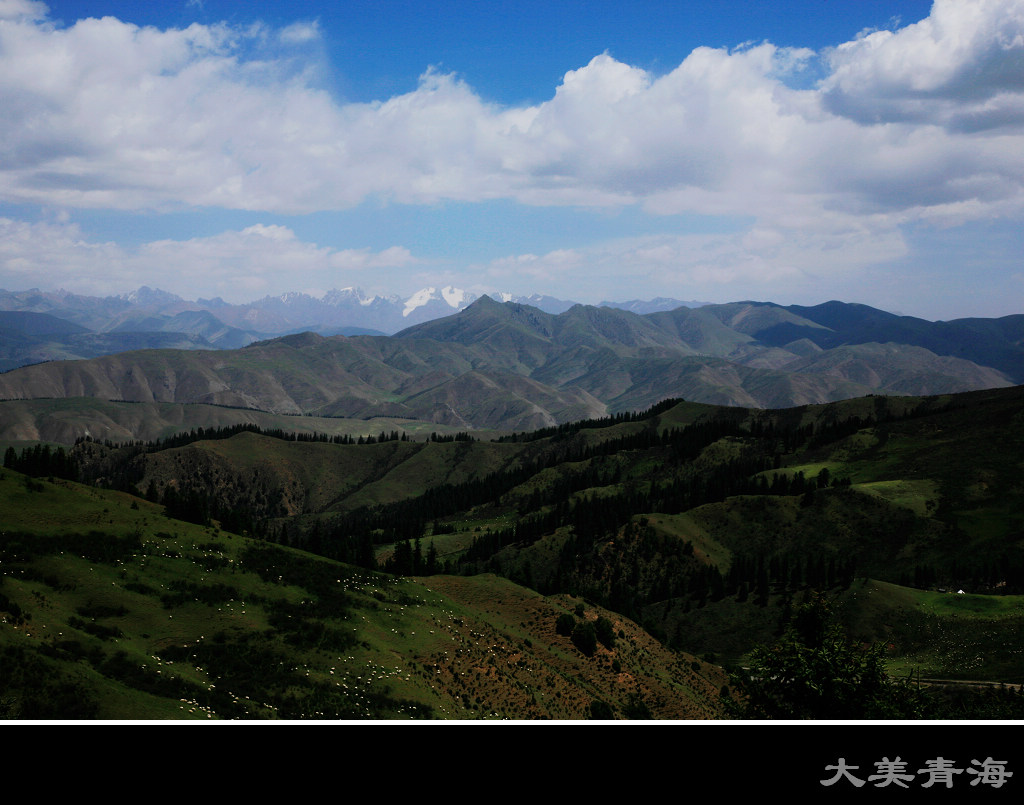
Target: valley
[155,579]
[493,362]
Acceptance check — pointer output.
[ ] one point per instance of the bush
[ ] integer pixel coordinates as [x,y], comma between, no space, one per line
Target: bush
[601,711]
[636,708]
[814,672]
[584,637]
[565,624]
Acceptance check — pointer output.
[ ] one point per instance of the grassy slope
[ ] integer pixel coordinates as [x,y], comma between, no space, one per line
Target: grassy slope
[923,489]
[64,420]
[962,465]
[941,635]
[181,621]
[326,477]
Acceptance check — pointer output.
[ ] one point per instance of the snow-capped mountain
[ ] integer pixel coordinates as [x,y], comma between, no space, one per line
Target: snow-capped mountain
[150,297]
[433,301]
[346,311]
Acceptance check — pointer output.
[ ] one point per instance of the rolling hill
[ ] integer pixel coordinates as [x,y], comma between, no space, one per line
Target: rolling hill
[112,611]
[514,367]
[612,567]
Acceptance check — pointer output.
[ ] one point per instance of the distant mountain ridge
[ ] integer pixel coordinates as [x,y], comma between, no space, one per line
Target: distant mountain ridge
[511,366]
[149,318]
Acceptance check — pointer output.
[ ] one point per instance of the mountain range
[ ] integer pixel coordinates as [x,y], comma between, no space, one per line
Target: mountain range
[513,366]
[213,546]
[38,326]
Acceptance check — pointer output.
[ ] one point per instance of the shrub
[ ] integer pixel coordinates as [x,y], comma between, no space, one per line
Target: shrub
[601,711]
[815,672]
[565,624]
[584,637]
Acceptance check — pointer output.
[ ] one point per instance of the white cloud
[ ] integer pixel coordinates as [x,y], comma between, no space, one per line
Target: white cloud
[745,264]
[362,259]
[920,123]
[236,264]
[22,10]
[962,67]
[300,33]
[46,254]
[549,269]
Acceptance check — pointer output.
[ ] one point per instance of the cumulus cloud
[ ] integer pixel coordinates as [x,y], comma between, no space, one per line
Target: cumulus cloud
[962,68]
[712,266]
[919,123]
[34,254]
[550,268]
[236,265]
[22,10]
[300,33]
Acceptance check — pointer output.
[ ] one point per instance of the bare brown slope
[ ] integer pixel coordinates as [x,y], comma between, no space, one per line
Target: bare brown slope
[900,368]
[510,367]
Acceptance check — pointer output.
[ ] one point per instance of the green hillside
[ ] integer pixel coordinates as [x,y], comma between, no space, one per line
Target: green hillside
[110,610]
[65,420]
[689,531]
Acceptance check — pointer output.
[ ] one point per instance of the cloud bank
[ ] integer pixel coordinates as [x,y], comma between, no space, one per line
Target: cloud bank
[920,124]
[238,265]
[107,114]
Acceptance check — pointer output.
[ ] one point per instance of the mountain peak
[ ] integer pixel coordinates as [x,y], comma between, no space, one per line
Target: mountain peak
[454,296]
[449,297]
[146,296]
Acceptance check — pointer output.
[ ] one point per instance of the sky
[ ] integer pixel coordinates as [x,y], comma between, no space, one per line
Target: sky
[715,150]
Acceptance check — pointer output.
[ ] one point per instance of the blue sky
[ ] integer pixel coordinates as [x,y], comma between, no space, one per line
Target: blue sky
[793,152]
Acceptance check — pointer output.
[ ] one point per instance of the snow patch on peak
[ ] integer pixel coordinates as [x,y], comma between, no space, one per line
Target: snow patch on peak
[418,299]
[149,296]
[455,297]
[338,296]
